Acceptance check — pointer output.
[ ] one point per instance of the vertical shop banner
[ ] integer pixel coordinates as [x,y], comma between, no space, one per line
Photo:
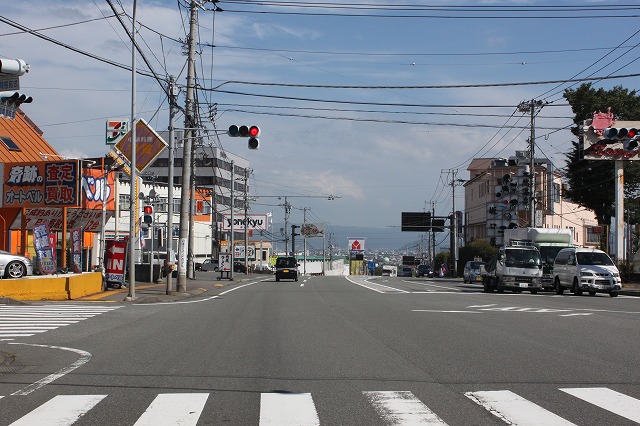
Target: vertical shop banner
[76,247]
[42,246]
[116,256]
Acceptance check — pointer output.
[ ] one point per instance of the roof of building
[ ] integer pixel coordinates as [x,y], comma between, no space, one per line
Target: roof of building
[21,141]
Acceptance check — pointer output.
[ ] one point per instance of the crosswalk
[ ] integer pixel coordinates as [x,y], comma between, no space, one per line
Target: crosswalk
[28,320]
[288,409]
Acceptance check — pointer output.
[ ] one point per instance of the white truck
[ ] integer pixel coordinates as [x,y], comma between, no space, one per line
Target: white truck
[549,242]
[515,267]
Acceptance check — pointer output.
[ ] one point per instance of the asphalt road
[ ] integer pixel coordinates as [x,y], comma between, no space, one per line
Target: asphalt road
[325,350]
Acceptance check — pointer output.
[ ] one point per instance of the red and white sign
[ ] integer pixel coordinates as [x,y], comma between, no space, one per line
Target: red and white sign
[115,260]
[356,244]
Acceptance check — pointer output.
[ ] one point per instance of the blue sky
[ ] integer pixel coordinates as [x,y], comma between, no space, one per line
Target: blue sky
[377,141]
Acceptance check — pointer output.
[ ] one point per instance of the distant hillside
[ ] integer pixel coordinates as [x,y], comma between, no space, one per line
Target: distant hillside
[375,238]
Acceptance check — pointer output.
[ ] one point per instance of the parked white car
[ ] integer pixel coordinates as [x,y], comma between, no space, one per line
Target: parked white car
[14,266]
[583,269]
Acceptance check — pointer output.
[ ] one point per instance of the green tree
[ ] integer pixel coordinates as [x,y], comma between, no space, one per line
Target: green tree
[475,249]
[592,182]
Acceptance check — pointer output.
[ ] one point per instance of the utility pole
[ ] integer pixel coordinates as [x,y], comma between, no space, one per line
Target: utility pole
[433,238]
[304,240]
[133,197]
[233,206]
[530,107]
[173,92]
[185,214]
[246,223]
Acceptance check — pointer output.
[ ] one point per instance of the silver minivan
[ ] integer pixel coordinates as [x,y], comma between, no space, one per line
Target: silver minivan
[585,269]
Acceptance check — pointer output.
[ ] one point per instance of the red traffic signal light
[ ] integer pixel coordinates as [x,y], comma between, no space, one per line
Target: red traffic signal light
[148,214]
[619,133]
[243,131]
[251,132]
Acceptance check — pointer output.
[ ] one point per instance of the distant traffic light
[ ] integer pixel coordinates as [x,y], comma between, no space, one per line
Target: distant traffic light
[243,131]
[11,101]
[620,133]
[148,215]
[15,98]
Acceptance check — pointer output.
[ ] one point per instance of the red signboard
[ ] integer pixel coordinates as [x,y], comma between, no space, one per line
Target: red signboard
[115,261]
[39,184]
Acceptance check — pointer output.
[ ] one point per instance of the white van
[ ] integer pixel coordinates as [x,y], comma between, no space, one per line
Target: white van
[585,269]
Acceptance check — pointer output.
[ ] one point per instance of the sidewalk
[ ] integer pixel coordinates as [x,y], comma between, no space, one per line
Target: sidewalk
[153,293]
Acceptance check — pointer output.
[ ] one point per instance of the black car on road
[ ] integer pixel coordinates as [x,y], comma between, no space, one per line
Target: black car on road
[286,268]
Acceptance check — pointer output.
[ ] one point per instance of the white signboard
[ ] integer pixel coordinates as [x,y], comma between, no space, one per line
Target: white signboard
[253,222]
[238,252]
[224,262]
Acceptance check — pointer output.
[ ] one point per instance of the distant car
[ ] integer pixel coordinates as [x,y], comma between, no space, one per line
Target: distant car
[263,268]
[471,272]
[405,271]
[424,271]
[239,267]
[14,266]
[209,265]
[286,268]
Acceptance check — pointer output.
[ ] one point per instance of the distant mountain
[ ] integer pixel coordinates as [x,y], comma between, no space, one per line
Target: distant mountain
[390,238]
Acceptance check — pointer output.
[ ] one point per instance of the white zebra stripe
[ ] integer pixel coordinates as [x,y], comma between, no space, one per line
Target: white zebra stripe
[516,410]
[402,408]
[62,410]
[288,409]
[610,400]
[171,409]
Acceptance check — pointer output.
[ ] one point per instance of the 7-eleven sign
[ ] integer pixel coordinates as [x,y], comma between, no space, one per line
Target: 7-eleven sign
[116,130]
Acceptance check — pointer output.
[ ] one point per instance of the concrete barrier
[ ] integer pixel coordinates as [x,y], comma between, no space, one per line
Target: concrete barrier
[56,287]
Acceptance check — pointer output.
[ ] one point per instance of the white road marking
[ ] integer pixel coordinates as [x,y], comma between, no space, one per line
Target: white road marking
[62,410]
[482,306]
[174,409]
[575,315]
[445,312]
[84,358]
[284,409]
[610,400]
[402,408]
[515,410]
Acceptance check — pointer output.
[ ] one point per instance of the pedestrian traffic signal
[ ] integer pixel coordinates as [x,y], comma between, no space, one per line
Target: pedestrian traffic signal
[148,215]
[243,131]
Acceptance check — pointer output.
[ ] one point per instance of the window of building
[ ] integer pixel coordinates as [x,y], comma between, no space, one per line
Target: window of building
[9,143]
[593,234]
[556,193]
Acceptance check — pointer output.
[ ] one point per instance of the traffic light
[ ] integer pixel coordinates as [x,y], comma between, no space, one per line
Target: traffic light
[630,145]
[250,132]
[15,99]
[11,101]
[620,133]
[148,215]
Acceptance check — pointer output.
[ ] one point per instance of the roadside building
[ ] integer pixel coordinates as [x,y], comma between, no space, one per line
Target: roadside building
[497,196]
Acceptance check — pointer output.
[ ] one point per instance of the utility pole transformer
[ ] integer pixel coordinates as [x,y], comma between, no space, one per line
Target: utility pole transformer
[185,196]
